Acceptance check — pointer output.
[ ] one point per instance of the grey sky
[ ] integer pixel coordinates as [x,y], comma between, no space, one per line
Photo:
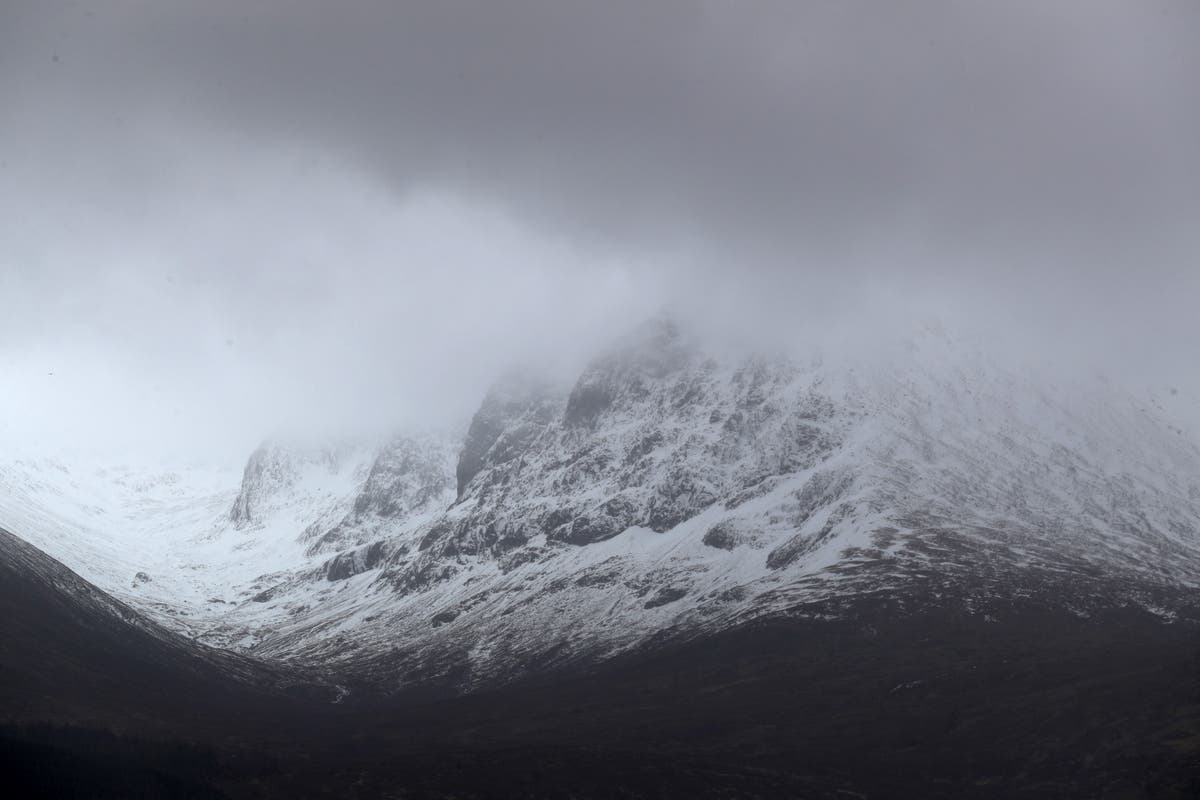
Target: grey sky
[234,212]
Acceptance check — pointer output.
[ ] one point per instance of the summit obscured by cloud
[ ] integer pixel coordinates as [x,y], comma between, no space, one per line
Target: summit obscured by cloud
[221,216]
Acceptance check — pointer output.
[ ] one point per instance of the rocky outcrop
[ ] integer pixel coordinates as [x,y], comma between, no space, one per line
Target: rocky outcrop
[354,562]
[653,433]
[276,472]
[263,470]
[410,477]
[514,412]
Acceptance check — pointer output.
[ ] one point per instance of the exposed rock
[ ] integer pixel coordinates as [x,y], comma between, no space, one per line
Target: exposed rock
[804,543]
[408,478]
[280,480]
[723,536]
[666,595]
[353,562]
[654,427]
[444,617]
[511,415]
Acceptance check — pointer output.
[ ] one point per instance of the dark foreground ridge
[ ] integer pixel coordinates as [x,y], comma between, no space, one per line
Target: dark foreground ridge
[1021,699]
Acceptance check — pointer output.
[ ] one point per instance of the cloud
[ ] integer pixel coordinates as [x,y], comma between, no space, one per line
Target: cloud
[433,185]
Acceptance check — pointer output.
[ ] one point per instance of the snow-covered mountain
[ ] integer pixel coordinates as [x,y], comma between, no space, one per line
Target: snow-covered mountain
[194,548]
[674,490]
[137,532]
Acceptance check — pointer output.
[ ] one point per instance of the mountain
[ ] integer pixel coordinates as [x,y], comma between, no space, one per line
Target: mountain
[74,653]
[747,572]
[137,531]
[193,548]
[676,490]
[941,701]
[671,492]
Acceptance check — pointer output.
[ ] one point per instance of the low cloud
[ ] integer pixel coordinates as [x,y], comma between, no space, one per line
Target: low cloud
[234,213]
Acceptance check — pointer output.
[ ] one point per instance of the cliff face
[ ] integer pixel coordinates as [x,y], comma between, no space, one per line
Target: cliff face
[409,479]
[280,477]
[516,409]
[651,435]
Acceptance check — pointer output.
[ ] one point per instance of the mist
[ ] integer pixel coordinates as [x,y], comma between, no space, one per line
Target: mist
[221,220]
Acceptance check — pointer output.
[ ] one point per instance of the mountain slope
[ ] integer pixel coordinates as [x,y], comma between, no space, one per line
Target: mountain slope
[934,702]
[674,493]
[193,548]
[692,572]
[74,654]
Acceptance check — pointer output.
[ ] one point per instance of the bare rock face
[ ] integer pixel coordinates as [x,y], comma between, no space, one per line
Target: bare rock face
[823,490]
[276,471]
[652,433]
[263,470]
[628,373]
[511,416]
[354,562]
[410,477]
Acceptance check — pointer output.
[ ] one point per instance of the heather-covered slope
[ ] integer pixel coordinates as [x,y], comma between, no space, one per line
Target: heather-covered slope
[1014,697]
[74,654]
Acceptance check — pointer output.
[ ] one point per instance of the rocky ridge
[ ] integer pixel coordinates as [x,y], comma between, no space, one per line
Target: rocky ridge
[670,492]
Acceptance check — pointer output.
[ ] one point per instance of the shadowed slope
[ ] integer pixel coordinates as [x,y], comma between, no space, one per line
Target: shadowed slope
[74,654]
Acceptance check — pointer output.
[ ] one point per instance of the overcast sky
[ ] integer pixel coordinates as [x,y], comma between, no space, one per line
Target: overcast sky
[220,217]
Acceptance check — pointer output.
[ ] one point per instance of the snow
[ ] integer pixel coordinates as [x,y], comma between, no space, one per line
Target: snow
[832,479]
